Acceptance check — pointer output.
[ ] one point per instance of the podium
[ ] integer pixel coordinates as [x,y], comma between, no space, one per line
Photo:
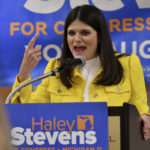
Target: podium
[59,126]
[130,134]
[122,128]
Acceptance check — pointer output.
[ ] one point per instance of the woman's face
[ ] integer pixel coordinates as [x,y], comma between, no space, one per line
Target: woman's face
[82,40]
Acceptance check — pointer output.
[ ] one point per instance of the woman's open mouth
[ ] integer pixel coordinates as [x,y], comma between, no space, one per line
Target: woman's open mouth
[79,49]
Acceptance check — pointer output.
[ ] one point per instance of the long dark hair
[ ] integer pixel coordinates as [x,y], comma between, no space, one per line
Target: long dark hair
[112,70]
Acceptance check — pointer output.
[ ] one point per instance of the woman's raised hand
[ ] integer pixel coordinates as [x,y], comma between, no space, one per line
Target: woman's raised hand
[32,56]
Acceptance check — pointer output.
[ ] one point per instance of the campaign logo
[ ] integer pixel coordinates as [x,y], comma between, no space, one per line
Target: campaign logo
[43,6]
[64,132]
[85,122]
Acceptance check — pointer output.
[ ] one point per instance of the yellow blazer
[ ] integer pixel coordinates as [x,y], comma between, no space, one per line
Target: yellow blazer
[131,89]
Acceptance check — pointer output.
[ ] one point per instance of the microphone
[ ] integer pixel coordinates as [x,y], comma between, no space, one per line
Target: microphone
[71,62]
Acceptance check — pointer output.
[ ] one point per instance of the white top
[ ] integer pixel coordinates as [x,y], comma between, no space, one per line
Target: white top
[88,72]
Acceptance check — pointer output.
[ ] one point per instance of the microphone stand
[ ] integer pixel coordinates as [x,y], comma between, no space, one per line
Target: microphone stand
[52,73]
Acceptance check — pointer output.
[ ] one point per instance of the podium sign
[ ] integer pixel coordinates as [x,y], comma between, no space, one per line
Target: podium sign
[59,126]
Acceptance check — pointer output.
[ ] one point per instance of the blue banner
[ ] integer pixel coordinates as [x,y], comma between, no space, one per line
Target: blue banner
[128,21]
[65,126]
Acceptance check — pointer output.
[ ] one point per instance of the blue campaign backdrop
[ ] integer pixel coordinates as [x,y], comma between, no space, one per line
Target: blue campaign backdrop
[59,126]
[128,21]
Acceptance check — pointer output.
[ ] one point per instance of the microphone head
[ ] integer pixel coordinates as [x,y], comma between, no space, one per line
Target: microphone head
[83,61]
[71,62]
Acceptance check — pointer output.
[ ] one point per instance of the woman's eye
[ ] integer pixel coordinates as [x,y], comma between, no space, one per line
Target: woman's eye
[71,33]
[85,32]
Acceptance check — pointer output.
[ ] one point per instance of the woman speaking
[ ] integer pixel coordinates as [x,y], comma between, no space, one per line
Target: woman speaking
[107,76]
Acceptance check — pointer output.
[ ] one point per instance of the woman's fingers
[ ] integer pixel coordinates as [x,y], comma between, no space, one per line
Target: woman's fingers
[146,126]
[32,41]
[34,51]
[32,56]
[38,50]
